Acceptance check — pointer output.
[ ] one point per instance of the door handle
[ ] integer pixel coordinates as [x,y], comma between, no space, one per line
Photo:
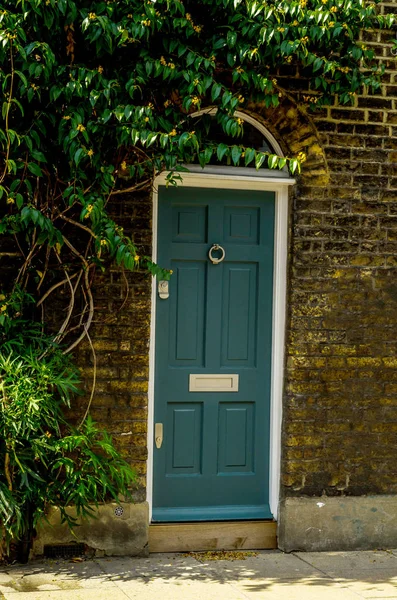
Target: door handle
[158,434]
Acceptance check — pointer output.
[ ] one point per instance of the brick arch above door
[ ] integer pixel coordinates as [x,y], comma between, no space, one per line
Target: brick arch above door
[295,132]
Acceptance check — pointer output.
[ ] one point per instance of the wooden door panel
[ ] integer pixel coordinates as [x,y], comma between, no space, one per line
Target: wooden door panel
[239,315]
[187,306]
[184,426]
[236,437]
[241,225]
[214,460]
[189,223]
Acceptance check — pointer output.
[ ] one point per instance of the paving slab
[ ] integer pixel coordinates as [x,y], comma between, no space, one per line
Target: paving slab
[160,564]
[351,563]
[64,569]
[266,565]
[372,589]
[52,576]
[270,575]
[186,590]
[68,595]
[168,577]
[369,574]
[298,591]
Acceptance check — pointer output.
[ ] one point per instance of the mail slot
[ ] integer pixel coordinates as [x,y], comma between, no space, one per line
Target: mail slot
[222,382]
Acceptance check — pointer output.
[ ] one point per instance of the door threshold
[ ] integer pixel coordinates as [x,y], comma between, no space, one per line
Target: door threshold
[214,535]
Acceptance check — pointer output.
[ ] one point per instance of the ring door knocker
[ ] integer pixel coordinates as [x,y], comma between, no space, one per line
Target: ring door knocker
[215,247]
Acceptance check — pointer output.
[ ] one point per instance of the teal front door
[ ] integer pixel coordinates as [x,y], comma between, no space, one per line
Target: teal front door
[213,355]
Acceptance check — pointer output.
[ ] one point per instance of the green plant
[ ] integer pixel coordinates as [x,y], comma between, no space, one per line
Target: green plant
[44,460]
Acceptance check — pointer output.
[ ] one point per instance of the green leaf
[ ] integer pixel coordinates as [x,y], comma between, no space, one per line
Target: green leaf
[19,201]
[317,64]
[220,43]
[208,154]
[22,77]
[78,155]
[201,158]
[259,159]
[231,38]
[35,169]
[215,91]
[221,151]
[37,155]
[293,165]
[249,155]
[282,162]
[236,154]
[151,138]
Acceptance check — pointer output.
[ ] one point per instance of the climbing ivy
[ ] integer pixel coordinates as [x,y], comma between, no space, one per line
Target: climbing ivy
[100,93]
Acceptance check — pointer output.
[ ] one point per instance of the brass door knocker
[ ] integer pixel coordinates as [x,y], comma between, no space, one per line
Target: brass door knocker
[216,261]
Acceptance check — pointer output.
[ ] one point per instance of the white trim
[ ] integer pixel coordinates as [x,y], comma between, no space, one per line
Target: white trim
[206,179]
[150,433]
[279,309]
[248,119]
[278,340]
[252,173]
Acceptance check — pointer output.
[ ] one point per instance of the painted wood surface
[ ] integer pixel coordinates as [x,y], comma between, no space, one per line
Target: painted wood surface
[214,460]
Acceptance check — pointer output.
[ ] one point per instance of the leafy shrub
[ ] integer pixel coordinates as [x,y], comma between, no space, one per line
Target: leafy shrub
[45,460]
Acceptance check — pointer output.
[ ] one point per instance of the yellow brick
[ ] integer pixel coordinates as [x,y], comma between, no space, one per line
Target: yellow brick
[363,361]
[129,386]
[390,361]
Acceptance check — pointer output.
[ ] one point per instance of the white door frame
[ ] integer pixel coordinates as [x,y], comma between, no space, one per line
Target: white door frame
[279,185]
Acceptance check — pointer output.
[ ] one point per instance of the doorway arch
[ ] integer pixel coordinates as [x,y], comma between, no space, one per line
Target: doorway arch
[247,118]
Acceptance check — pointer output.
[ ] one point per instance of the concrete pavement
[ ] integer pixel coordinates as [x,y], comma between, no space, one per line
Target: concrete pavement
[270,575]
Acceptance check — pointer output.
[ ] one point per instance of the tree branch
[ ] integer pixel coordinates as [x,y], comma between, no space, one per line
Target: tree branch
[93,378]
[76,224]
[89,294]
[54,287]
[59,335]
[90,315]
[7,115]
[134,188]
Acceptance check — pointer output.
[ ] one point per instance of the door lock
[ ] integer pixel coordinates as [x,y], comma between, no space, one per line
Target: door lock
[158,434]
[163,289]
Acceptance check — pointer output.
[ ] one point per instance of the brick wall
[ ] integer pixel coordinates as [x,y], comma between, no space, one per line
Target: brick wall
[120,335]
[340,409]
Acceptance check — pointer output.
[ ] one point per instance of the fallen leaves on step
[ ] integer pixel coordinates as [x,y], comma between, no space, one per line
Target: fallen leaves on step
[221,555]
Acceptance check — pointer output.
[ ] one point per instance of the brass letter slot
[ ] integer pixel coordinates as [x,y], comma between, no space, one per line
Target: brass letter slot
[222,382]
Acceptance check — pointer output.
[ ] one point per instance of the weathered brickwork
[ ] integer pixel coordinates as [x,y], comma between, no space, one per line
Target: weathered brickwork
[120,336]
[340,406]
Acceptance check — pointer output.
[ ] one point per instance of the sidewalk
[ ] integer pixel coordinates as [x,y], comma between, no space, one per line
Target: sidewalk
[270,575]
